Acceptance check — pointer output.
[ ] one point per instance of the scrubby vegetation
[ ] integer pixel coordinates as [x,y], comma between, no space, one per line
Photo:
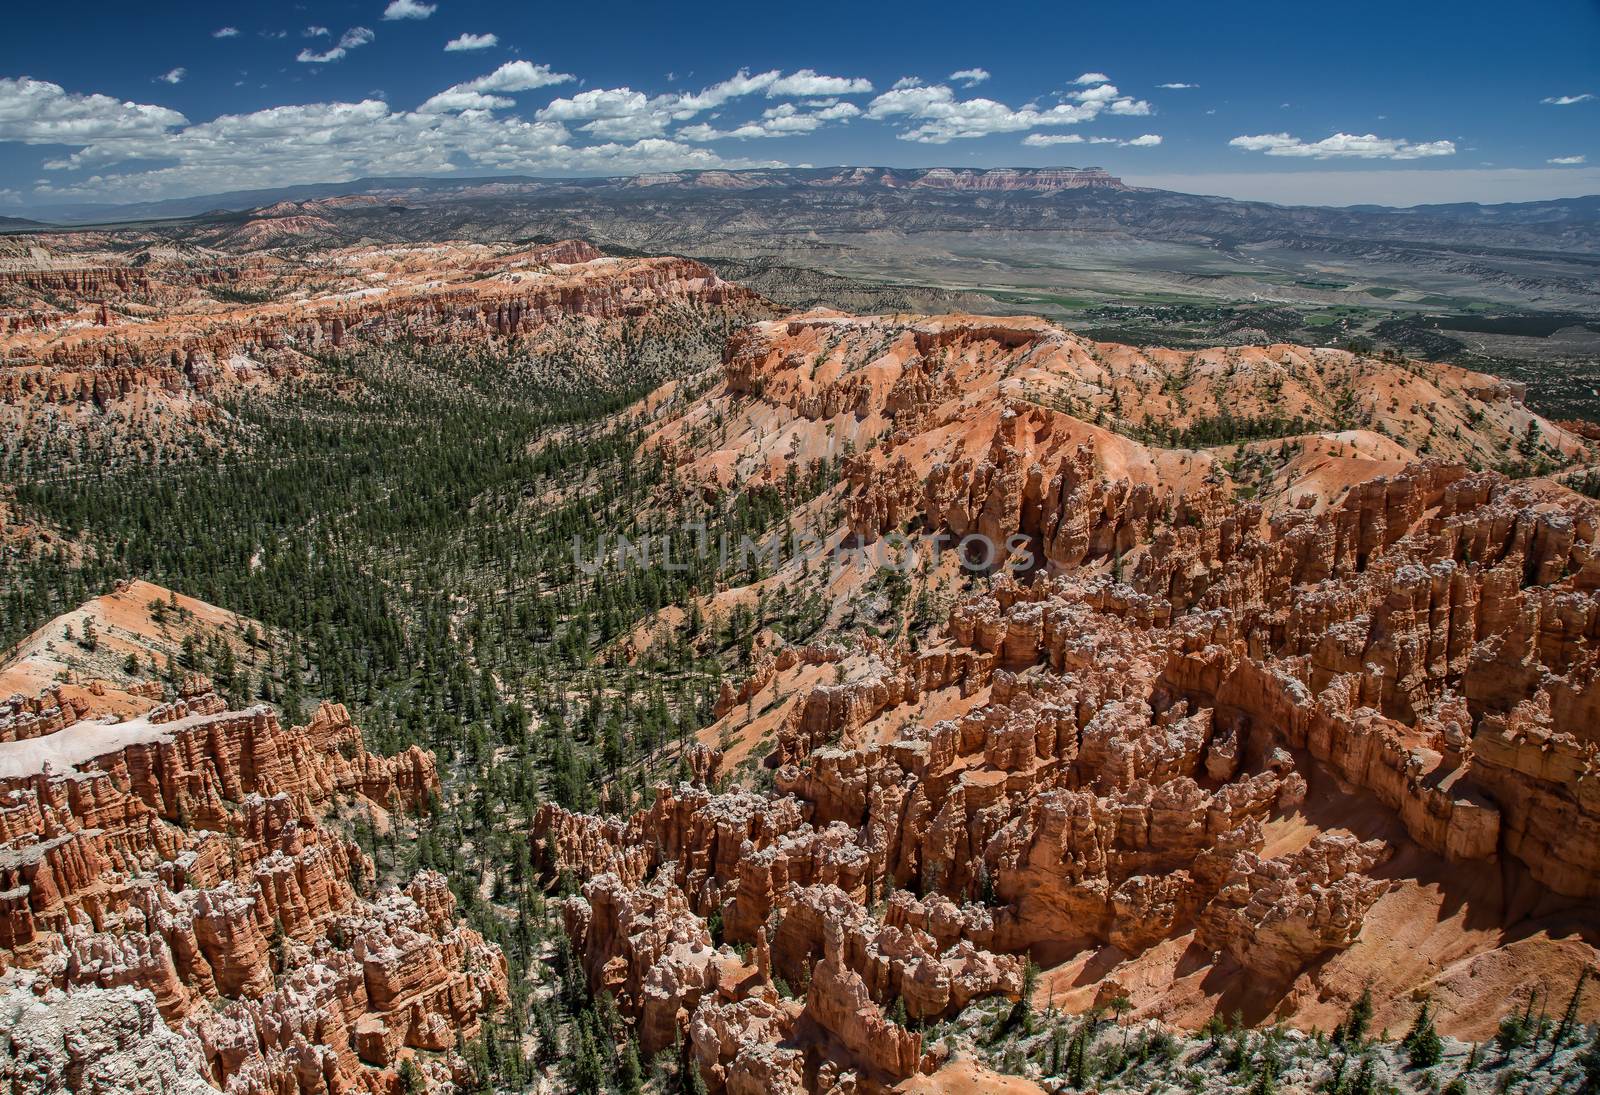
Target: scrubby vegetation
[1100,1050]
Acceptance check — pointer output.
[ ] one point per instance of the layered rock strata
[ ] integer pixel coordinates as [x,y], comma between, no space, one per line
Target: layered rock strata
[178,863]
[1196,739]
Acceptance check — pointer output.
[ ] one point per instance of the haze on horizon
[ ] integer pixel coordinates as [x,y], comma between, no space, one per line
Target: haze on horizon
[1382,106]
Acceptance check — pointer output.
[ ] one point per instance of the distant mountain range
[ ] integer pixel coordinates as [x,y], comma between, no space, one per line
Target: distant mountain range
[1057,231]
[769,183]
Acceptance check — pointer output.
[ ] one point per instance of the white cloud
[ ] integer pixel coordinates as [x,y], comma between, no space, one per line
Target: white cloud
[1093,78]
[1344,145]
[354,38]
[1177,87]
[1107,96]
[616,102]
[461,98]
[478,94]
[839,112]
[629,128]
[1103,93]
[39,112]
[225,32]
[968,77]
[315,32]
[173,76]
[1567,100]
[905,82]
[519,76]
[469,126]
[409,9]
[773,84]
[807,82]
[470,41]
[624,114]
[1046,140]
[784,120]
[945,118]
[1567,161]
[330,141]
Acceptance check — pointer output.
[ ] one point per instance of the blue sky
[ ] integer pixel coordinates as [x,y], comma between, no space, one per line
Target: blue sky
[1359,102]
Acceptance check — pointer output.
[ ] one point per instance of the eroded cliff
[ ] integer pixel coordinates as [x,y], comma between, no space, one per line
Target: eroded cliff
[1172,742]
[179,862]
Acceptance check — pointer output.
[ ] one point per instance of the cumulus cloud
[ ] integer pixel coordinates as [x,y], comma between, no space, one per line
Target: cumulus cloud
[462,98]
[944,118]
[968,77]
[1177,87]
[315,32]
[173,76]
[478,94]
[807,82]
[1046,140]
[354,38]
[838,112]
[470,41]
[614,102]
[784,120]
[409,9]
[112,145]
[1567,100]
[1093,78]
[225,32]
[520,76]
[627,127]
[624,114]
[772,84]
[1344,146]
[905,82]
[318,140]
[39,112]
[1567,161]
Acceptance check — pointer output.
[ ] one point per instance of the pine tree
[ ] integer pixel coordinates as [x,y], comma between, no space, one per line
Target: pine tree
[1569,1017]
[412,1081]
[1422,1043]
[1351,1033]
[630,1077]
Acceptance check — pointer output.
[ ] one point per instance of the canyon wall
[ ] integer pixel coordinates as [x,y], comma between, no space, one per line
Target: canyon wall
[1190,751]
[180,865]
[101,357]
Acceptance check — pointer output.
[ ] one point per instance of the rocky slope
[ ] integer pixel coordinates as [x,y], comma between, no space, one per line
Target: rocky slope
[1207,738]
[107,655]
[937,405]
[152,345]
[170,872]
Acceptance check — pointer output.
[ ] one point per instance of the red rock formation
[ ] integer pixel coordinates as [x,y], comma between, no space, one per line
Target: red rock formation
[1151,724]
[181,853]
[196,347]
